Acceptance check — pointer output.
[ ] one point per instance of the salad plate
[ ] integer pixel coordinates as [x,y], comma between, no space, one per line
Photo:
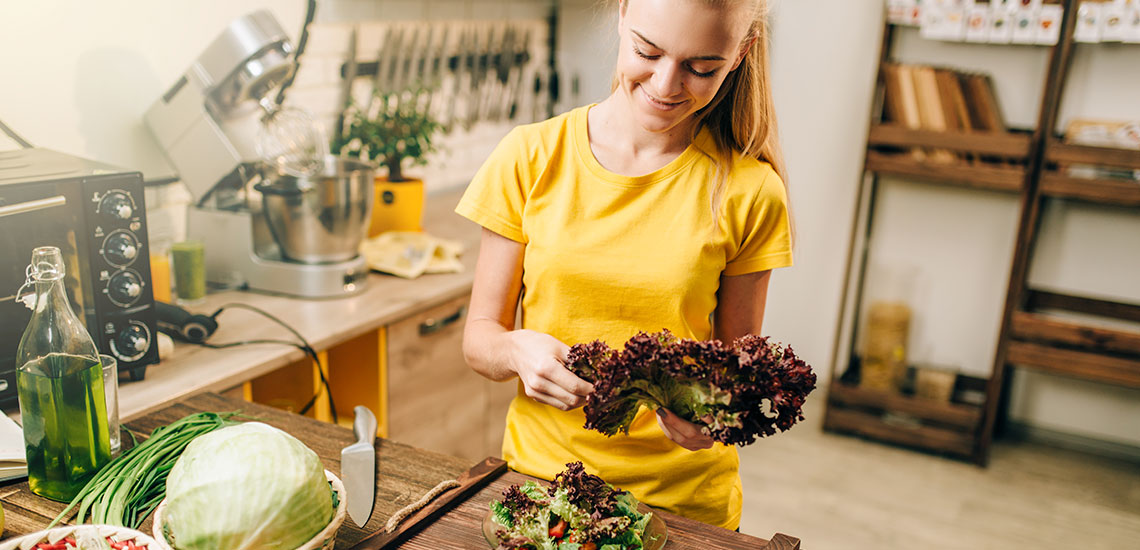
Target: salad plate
[654,536]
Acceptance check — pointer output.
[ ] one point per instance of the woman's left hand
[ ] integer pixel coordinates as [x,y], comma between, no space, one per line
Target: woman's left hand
[682,432]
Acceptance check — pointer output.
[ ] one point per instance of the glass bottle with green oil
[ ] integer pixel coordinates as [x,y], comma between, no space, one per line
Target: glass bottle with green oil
[60,385]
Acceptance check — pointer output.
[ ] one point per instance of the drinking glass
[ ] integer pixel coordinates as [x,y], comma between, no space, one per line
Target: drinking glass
[189,271]
[111,391]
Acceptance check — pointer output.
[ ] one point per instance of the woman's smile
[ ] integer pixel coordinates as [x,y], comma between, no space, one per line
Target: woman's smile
[659,104]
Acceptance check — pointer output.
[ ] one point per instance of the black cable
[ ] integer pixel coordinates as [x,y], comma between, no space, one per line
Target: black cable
[14,136]
[310,13]
[304,346]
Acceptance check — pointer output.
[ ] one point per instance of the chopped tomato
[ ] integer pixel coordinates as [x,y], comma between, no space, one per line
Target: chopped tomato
[69,543]
[558,530]
[589,546]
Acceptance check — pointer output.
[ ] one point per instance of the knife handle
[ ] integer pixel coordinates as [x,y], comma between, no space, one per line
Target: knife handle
[364,425]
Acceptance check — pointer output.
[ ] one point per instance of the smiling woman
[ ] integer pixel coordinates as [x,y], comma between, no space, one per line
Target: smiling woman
[661,207]
[673,59]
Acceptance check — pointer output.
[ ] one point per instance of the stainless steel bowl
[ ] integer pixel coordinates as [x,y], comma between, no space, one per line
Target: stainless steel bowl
[320,218]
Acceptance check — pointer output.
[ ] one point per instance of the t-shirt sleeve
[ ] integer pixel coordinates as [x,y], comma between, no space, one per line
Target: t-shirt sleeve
[764,230]
[497,194]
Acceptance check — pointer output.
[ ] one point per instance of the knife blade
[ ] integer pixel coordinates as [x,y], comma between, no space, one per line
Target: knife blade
[358,467]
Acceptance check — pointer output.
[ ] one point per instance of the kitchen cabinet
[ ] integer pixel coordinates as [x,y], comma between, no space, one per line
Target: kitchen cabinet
[435,401]
[412,374]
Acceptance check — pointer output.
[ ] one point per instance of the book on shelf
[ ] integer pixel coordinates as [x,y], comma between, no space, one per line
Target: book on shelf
[953,102]
[931,115]
[908,102]
[939,99]
[893,110]
[13,460]
[985,115]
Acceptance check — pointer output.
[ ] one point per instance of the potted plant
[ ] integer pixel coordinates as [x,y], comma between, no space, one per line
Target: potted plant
[390,132]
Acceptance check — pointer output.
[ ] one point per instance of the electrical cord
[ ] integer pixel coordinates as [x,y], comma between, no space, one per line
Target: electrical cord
[14,136]
[304,346]
[302,41]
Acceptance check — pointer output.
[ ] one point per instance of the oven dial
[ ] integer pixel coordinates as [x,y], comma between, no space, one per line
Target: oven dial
[132,342]
[120,248]
[118,205]
[124,288]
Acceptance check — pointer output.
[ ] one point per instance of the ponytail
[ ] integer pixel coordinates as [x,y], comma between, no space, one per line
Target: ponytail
[742,116]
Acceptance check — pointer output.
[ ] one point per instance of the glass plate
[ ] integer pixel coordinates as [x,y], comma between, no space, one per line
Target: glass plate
[654,537]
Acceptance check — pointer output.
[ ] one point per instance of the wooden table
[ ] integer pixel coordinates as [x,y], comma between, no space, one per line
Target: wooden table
[404,474]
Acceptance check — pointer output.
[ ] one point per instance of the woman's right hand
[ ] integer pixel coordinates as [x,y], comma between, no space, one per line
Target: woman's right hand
[540,362]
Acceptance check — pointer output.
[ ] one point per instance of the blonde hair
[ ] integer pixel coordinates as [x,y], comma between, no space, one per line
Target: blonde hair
[742,115]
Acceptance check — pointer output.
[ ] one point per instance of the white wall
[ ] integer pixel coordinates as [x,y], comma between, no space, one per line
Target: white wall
[77,77]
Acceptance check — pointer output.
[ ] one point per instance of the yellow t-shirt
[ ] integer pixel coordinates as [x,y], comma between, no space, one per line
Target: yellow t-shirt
[609,255]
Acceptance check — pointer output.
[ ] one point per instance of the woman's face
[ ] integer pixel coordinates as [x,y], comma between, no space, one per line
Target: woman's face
[674,56]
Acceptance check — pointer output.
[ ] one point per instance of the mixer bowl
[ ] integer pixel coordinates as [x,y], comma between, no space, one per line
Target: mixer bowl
[323,217]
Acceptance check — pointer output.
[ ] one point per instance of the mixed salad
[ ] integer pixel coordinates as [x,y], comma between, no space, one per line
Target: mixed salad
[578,511]
[87,541]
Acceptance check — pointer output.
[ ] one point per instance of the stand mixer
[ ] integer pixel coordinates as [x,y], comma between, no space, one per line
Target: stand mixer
[265,226]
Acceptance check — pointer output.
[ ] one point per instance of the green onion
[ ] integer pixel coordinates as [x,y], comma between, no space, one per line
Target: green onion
[128,488]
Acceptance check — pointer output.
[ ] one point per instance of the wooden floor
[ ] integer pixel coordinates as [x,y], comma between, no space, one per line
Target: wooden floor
[838,492]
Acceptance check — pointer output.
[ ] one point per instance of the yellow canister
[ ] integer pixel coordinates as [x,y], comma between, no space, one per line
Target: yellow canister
[397,206]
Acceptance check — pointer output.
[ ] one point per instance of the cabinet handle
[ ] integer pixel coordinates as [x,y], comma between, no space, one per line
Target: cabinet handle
[431,326]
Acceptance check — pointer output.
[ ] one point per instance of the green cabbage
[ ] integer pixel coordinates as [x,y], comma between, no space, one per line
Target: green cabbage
[246,487]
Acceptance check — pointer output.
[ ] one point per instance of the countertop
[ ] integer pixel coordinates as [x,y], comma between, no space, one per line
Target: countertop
[195,369]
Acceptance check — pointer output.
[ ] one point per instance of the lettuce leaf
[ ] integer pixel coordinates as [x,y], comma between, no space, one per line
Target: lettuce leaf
[737,393]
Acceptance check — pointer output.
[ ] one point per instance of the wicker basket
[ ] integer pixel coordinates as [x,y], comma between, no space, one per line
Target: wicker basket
[57,534]
[321,541]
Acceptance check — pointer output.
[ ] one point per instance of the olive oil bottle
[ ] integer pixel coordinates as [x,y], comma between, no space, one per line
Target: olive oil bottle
[60,385]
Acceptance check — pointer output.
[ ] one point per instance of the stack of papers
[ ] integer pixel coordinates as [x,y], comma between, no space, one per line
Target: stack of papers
[410,254]
[13,460]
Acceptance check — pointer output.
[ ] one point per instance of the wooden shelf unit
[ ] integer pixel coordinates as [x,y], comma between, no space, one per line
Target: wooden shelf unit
[1099,191]
[903,419]
[885,158]
[1056,184]
[1040,327]
[960,174]
[1011,145]
[1085,154]
[1032,336]
[1054,343]
[1033,165]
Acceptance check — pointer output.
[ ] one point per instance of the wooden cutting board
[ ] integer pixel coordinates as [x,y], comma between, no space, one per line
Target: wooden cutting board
[461,527]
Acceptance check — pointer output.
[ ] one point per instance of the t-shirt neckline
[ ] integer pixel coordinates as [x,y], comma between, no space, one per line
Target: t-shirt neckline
[580,126]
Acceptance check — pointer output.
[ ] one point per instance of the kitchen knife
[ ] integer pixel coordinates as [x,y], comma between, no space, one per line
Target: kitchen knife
[358,467]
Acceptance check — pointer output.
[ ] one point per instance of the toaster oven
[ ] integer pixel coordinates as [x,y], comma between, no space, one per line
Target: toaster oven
[95,214]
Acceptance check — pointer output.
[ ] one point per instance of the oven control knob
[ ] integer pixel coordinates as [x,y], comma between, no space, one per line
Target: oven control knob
[117,205]
[132,342]
[121,248]
[124,288]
